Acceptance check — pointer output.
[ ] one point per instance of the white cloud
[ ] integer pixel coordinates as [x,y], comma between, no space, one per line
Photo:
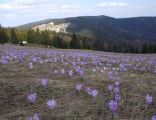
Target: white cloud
[66,6]
[140,7]
[112,5]
[36,6]
[89,10]
[69,11]
[69,8]
[9,15]
[5,6]
[25,11]
[25,4]
[16,4]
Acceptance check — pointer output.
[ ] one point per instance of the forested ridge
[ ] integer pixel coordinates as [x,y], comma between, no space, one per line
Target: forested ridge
[103,35]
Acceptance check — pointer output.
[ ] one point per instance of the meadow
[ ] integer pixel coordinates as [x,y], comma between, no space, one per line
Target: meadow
[57,84]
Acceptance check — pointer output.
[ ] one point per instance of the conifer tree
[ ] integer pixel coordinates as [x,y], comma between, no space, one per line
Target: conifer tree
[75,42]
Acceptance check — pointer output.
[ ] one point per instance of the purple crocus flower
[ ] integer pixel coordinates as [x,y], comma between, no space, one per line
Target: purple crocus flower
[4,62]
[110,75]
[51,104]
[34,117]
[34,59]
[110,88]
[81,73]
[30,65]
[70,73]
[117,98]
[44,82]
[89,90]
[94,93]
[116,83]
[153,117]
[116,90]
[78,87]
[31,98]
[78,69]
[113,106]
[149,99]
[30,118]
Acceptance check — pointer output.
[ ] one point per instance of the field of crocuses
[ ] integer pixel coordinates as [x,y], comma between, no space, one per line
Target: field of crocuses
[50,84]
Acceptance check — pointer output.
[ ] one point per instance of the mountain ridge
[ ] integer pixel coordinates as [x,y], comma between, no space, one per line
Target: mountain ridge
[108,28]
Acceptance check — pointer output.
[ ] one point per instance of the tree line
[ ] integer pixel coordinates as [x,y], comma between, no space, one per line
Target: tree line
[72,41]
[47,38]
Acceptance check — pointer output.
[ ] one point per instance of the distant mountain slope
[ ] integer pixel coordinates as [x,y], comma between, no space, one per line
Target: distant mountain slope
[108,28]
[33,24]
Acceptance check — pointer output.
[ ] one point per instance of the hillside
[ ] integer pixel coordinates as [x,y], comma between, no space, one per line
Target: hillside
[53,27]
[81,84]
[108,28]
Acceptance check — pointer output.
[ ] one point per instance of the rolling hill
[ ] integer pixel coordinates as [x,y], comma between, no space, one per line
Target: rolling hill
[107,28]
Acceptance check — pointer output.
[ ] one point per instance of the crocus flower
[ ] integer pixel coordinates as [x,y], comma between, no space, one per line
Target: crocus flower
[116,90]
[3,62]
[44,82]
[70,73]
[78,87]
[116,83]
[110,88]
[117,98]
[78,69]
[113,106]
[153,117]
[89,90]
[34,59]
[34,117]
[81,72]
[149,99]
[30,65]
[30,118]
[94,93]
[110,75]
[31,98]
[51,104]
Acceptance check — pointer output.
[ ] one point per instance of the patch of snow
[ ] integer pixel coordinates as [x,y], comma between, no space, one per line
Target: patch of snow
[52,27]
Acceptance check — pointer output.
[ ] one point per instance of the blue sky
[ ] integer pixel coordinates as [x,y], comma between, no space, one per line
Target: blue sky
[17,12]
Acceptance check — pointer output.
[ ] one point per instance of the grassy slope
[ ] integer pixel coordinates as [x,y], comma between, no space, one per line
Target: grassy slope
[16,79]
